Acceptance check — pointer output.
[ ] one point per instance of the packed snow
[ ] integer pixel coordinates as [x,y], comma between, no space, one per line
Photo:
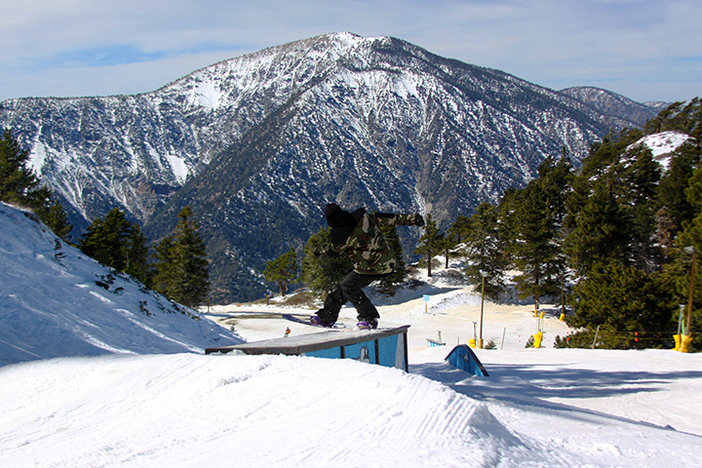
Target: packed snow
[89,379]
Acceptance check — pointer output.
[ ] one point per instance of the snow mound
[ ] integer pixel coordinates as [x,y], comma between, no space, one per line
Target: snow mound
[272,411]
[56,302]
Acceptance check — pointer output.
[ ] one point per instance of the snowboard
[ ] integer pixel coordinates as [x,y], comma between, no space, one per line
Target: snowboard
[337,326]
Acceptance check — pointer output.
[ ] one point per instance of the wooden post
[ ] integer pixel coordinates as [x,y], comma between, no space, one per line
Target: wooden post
[692,288]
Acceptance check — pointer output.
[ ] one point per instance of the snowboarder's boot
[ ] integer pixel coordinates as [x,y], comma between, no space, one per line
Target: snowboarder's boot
[316,320]
[369,324]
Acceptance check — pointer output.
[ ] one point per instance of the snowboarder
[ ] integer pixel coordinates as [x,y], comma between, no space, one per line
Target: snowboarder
[359,235]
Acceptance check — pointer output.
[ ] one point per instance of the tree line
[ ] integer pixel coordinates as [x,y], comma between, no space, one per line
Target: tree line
[613,240]
[178,267]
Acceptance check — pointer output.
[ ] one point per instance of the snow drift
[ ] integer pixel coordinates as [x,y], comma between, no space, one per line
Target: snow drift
[55,302]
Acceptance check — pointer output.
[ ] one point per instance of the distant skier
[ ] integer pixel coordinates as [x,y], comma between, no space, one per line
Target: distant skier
[359,235]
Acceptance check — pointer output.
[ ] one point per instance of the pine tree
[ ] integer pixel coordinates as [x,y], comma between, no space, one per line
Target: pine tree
[673,207]
[19,185]
[600,234]
[323,273]
[182,269]
[508,222]
[616,221]
[459,229]
[56,219]
[430,243]
[455,236]
[630,307]
[538,226]
[282,270]
[690,238]
[399,273]
[119,244]
[680,117]
[614,217]
[484,249]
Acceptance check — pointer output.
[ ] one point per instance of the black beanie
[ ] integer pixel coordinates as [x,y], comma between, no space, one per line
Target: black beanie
[330,209]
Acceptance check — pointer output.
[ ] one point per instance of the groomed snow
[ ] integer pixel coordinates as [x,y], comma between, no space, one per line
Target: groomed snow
[167,404]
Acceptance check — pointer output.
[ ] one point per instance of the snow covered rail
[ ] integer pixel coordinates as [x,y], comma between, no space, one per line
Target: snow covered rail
[386,347]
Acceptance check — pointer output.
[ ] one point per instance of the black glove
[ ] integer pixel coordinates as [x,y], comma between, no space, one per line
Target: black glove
[418,220]
[318,251]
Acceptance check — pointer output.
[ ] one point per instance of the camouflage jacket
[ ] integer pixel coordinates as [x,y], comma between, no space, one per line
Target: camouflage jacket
[366,245]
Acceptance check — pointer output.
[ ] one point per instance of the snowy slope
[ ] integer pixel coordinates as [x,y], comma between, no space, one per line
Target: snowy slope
[55,301]
[256,411]
[662,145]
[275,411]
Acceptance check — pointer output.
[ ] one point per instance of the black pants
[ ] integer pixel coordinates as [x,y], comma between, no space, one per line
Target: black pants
[350,290]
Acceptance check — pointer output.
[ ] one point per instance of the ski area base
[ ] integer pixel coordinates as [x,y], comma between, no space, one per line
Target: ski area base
[386,347]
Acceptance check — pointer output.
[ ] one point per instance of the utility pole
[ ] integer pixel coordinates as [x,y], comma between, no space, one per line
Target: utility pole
[482,308]
[686,338]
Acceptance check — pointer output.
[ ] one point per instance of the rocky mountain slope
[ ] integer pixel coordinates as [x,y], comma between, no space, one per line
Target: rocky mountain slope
[614,104]
[256,145]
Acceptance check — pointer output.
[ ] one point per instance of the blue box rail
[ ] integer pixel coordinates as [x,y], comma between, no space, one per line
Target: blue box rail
[386,347]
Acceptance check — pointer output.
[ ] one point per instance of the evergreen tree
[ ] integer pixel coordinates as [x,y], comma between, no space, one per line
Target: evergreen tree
[399,273]
[630,308]
[690,238]
[448,244]
[541,209]
[673,206]
[282,270]
[19,185]
[430,243]
[460,229]
[612,211]
[119,244]
[642,174]
[55,218]
[165,271]
[600,232]
[614,246]
[508,223]
[484,249]
[182,267]
[679,117]
[323,273]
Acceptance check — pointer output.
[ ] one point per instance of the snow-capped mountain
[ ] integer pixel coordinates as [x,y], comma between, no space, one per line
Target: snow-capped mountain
[256,145]
[56,302]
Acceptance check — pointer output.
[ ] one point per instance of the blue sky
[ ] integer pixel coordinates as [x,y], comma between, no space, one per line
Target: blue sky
[647,50]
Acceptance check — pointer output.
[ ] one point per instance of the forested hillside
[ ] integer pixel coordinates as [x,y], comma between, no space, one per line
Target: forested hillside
[616,238]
